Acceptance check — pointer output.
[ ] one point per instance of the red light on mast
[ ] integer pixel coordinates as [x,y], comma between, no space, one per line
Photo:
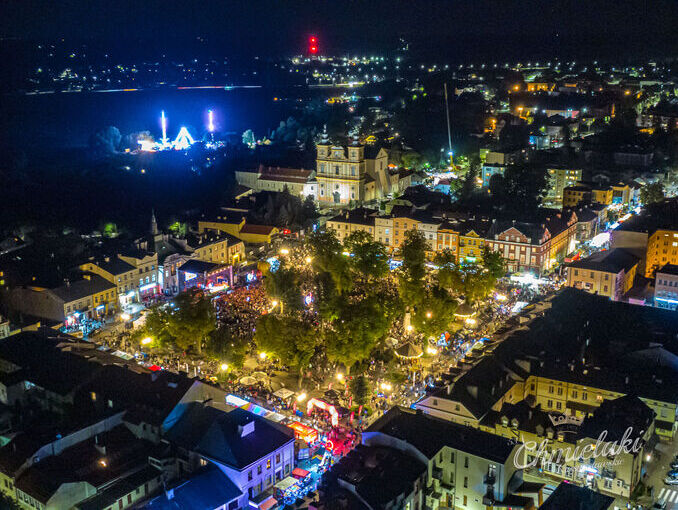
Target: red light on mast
[313,45]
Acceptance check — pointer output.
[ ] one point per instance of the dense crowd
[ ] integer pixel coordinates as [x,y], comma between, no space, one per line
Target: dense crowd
[240,308]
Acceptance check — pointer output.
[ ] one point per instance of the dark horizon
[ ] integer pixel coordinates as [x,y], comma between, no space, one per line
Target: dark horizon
[455,31]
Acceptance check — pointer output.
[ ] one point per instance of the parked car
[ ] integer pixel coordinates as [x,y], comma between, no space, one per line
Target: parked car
[671,481]
[659,505]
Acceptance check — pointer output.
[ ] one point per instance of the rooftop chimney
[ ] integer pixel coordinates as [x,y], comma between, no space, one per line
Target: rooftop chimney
[246,429]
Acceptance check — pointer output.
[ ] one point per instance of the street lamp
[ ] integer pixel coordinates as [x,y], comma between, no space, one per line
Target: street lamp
[262,355]
[308,260]
[386,386]
[432,350]
[146,341]
[409,328]
[284,251]
[340,376]
[429,315]
[301,397]
[224,367]
[274,303]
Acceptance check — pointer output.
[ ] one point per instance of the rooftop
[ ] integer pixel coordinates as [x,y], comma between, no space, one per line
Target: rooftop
[429,435]
[97,461]
[236,439]
[210,488]
[112,265]
[199,266]
[572,497]
[671,269]
[616,416]
[608,261]
[379,474]
[91,284]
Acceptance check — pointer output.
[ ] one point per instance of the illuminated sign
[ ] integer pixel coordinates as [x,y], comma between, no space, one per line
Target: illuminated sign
[189,276]
[314,402]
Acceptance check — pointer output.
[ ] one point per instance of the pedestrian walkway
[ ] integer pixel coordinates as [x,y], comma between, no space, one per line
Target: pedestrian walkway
[668,495]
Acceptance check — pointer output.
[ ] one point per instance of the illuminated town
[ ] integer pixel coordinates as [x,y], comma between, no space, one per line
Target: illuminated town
[347,256]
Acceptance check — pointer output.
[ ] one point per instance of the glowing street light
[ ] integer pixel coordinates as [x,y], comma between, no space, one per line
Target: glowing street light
[432,350]
[284,251]
[262,355]
[146,341]
[308,260]
[163,123]
[301,397]
[386,386]
[470,321]
[500,297]
[274,303]
[429,315]
[340,376]
[224,367]
[409,328]
[210,121]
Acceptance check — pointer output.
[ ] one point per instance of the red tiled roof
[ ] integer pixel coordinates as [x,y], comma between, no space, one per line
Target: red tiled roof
[256,229]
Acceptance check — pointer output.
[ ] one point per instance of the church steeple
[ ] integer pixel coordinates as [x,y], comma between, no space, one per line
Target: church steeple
[154,224]
[325,138]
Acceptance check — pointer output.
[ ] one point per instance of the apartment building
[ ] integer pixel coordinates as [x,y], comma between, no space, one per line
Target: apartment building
[608,273]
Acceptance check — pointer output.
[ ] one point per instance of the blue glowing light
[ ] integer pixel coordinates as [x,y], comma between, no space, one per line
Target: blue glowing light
[210,122]
[183,140]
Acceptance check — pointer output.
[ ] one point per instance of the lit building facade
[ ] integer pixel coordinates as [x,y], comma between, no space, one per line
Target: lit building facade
[558,180]
[340,173]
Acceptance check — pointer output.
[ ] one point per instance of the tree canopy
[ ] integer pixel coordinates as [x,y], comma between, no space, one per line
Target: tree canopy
[368,257]
[288,338]
[652,193]
[192,320]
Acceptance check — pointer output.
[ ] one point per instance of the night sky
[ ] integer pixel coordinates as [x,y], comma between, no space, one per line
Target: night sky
[455,29]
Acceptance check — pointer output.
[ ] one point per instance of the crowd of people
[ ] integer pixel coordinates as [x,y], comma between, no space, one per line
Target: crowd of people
[240,308]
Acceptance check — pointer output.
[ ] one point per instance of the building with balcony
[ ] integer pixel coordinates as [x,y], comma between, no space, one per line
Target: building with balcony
[464,467]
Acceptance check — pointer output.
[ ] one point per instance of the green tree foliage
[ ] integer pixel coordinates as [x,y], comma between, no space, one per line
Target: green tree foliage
[413,270]
[498,188]
[435,314]
[178,229]
[470,185]
[413,252]
[222,344]
[156,327]
[288,338]
[447,268]
[357,328]
[652,193]
[327,254]
[494,263]
[324,247]
[412,159]
[369,257]
[283,285]
[275,208]
[192,320]
[360,389]
[477,283]
[525,187]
